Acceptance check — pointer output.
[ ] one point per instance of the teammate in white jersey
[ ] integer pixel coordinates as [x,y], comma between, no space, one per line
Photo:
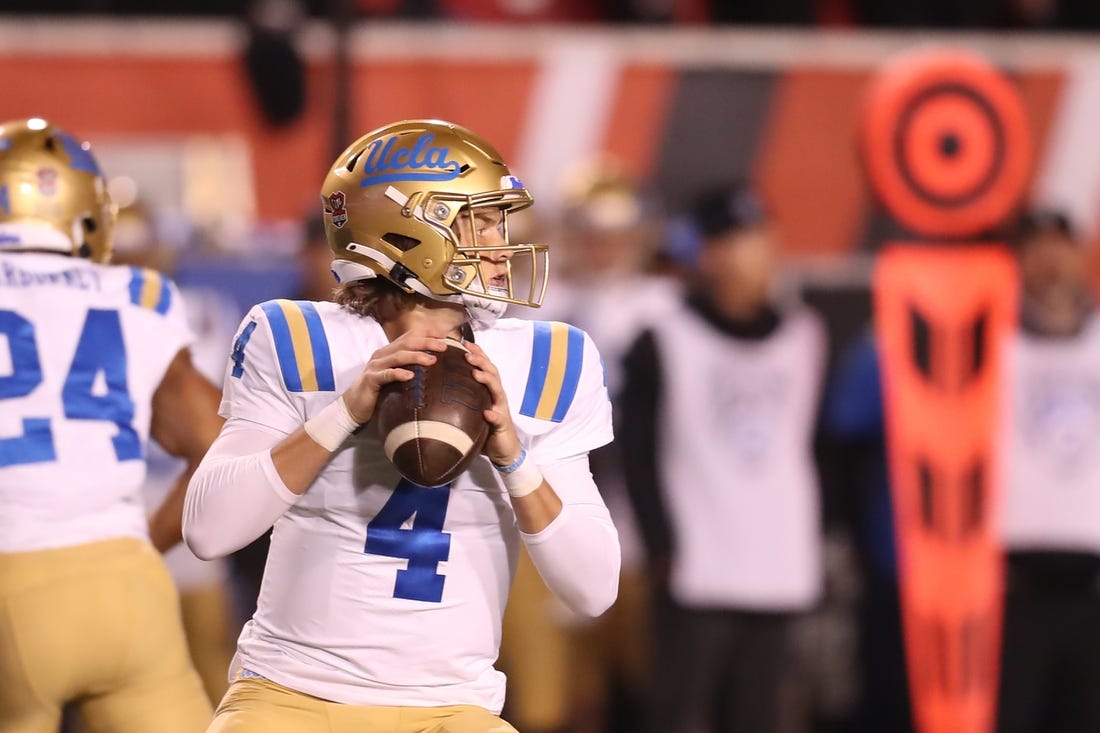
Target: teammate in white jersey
[93,359]
[382,600]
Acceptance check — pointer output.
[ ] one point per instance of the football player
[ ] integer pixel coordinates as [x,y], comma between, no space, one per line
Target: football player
[93,359]
[382,600]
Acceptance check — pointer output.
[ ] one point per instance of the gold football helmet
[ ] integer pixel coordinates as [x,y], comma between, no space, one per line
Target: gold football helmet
[392,201]
[52,193]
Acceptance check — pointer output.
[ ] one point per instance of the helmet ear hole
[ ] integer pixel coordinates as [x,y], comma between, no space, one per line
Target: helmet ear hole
[400,241]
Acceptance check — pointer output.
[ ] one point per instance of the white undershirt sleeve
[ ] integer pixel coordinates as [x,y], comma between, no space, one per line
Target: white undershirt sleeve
[235,494]
[577,554]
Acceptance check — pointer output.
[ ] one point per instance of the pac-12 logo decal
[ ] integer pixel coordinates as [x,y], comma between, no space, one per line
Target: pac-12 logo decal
[339,213]
[47,181]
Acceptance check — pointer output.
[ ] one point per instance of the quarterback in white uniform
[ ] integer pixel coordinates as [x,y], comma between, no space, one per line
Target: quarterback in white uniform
[93,360]
[382,600]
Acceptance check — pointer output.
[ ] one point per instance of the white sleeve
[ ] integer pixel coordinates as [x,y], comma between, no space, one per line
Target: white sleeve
[235,494]
[577,554]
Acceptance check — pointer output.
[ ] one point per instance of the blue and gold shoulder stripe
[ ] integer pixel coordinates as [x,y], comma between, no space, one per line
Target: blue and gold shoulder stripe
[301,345]
[557,355]
[150,290]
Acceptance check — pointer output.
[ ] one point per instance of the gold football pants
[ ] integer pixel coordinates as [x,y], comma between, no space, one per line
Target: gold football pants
[206,624]
[260,706]
[97,625]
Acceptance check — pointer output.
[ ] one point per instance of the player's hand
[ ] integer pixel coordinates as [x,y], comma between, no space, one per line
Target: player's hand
[503,446]
[389,364]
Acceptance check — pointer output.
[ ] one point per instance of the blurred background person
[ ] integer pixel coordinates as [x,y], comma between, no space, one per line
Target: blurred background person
[208,617]
[1050,678]
[856,478]
[316,281]
[718,415]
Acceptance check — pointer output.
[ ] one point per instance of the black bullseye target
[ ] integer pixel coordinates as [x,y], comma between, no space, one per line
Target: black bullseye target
[946,144]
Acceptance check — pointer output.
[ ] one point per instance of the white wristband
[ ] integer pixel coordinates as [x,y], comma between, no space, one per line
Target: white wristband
[522,477]
[330,427]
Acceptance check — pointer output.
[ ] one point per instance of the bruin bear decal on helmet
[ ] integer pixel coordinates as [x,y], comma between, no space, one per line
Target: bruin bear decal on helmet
[396,197]
[336,200]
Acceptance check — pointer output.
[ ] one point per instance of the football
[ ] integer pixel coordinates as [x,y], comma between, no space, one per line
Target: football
[433,425]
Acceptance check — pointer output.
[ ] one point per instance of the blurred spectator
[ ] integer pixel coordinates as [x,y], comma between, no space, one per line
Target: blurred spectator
[315,261]
[718,411]
[857,480]
[1051,662]
[204,601]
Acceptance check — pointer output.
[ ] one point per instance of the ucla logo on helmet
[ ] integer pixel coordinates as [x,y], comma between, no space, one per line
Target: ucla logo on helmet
[337,201]
[387,163]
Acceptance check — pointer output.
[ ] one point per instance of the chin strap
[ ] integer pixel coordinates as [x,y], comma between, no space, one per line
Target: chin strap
[483,312]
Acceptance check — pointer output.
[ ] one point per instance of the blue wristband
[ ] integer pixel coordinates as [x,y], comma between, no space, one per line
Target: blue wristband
[514,465]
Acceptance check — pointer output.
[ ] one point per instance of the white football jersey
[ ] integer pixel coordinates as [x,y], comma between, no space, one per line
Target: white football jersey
[378,591]
[83,348]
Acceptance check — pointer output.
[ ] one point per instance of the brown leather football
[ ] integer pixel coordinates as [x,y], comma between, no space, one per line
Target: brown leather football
[433,425]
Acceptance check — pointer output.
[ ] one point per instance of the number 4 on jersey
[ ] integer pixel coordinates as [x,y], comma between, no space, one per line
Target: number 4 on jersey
[423,543]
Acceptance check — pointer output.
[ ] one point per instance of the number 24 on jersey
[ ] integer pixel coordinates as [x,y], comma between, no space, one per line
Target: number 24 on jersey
[99,350]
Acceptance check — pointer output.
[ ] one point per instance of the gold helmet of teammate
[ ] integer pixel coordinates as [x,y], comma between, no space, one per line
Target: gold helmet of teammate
[610,222]
[52,193]
[392,201]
